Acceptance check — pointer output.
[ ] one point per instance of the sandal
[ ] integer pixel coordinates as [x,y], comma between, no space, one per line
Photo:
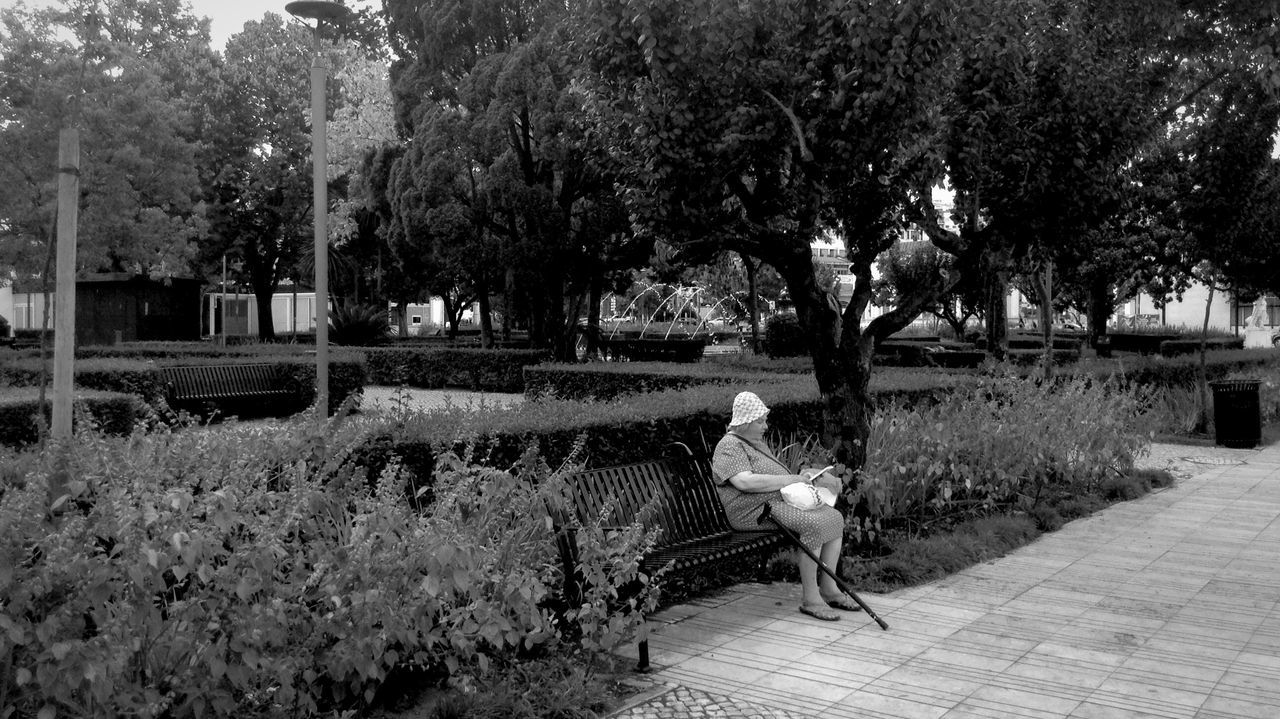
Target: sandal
[844,603]
[819,613]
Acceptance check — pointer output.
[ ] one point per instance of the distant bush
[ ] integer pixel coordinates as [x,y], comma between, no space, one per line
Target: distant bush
[783,337]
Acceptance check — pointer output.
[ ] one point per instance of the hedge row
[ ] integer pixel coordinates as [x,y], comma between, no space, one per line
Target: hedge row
[347,376]
[609,380]
[1183,370]
[1174,348]
[632,429]
[492,370]
[112,413]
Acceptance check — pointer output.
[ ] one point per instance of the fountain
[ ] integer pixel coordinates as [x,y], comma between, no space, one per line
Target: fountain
[631,306]
[655,342]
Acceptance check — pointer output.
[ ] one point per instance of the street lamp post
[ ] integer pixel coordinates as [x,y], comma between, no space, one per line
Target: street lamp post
[319,10]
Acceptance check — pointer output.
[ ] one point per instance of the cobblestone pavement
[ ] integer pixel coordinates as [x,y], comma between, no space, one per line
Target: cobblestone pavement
[677,702]
[1161,608]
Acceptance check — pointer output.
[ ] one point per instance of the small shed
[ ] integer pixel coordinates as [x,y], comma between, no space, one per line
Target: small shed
[137,307]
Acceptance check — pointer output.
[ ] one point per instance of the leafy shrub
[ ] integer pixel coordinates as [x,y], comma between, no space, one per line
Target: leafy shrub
[1008,443]
[555,686]
[782,336]
[359,325]
[246,572]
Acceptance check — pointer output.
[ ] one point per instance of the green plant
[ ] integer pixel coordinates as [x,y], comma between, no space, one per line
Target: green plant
[1008,443]
[249,571]
[359,325]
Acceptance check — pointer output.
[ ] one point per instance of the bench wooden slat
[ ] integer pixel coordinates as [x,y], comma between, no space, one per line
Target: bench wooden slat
[675,496]
[227,382]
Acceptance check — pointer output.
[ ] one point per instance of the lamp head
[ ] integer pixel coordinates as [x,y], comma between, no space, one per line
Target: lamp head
[318,10]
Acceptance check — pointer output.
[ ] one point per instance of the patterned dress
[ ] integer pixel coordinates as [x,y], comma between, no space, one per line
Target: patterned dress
[735,454]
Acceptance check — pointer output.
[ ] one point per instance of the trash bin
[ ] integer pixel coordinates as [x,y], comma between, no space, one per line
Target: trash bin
[1237,413]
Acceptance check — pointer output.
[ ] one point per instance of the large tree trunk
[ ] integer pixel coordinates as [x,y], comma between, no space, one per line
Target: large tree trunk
[486,313]
[1100,307]
[753,301]
[593,316]
[266,325]
[843,370]
[508,302]
[1044,288]
[997,314]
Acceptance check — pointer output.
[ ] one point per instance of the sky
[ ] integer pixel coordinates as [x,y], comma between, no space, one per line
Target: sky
[228,16]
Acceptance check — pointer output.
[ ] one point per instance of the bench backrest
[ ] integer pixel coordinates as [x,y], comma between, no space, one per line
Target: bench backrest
[187,380]
[674,494]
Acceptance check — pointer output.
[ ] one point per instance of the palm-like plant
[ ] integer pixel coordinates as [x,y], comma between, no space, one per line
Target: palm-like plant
[359,325]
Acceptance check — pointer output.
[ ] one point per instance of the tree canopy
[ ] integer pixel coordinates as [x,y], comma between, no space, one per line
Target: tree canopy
[126,74]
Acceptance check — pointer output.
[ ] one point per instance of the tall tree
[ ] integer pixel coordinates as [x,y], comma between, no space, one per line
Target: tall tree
[755,127]
[1056,114]
[125,73]
[492,81]
[258,159]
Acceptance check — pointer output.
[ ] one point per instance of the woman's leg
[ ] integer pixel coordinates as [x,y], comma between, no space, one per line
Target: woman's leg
[810,593]
[830,555]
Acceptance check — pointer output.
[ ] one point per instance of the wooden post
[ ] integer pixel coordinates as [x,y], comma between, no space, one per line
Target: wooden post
[64,333]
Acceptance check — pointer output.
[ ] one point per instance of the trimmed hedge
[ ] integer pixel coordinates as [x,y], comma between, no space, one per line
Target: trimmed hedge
[1032,356]
[347,376]
[113,413]
[607,380]
[1029,342]
[1183,370]
[493,370]
[107,375]
[637,428]
[1140,342]
[1173,348]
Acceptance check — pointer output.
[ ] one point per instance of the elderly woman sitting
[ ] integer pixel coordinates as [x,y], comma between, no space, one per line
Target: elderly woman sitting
[748,475]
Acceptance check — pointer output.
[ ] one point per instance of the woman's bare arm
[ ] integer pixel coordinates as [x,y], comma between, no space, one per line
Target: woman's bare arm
[754,482]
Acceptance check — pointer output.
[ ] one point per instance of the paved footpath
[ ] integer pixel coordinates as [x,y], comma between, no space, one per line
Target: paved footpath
[1160,608]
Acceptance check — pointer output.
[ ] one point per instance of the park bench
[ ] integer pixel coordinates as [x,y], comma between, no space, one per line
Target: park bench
[201,384]
[674,495]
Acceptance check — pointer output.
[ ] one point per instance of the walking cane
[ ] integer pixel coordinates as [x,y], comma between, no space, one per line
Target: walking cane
[767,516]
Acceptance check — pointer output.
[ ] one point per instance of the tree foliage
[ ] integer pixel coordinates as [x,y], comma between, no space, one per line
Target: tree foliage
[258,157]
[754,127]
[126,74]
[498,139]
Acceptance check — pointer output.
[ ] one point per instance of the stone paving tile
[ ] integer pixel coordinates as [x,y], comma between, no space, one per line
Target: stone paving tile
[1161,608]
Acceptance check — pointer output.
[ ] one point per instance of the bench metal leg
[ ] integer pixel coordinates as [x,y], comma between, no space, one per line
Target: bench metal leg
[822,567]
[642,664]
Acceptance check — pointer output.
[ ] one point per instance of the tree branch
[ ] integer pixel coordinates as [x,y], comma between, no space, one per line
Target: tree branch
[805,154]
